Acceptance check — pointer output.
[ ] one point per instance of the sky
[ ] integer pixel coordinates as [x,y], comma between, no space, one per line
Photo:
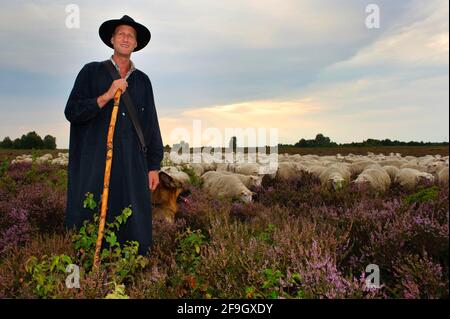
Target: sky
[301,67]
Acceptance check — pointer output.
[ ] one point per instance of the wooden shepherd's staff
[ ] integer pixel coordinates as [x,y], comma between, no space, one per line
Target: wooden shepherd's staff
[109,156]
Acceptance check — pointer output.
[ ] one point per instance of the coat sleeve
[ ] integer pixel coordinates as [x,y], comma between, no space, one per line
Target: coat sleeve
[81,106]
[155,148]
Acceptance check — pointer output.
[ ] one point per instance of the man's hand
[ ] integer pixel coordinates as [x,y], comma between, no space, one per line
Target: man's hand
[153,180]
[120,84]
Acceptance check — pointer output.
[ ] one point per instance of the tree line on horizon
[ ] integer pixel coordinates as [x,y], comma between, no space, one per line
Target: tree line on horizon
[29,141]
[33,140]
[324,141]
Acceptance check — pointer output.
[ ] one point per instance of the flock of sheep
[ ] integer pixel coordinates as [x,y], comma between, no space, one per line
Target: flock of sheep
[236,180]
[375,172]
[62,159]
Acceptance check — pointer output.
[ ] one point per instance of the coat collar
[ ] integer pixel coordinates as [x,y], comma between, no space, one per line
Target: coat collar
[132,67]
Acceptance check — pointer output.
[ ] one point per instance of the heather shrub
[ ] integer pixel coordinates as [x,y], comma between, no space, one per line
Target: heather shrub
[164,233]
[419,277]
[15,229]
[410,231]
[45,204]
[296,192]
[36,190]
[198,207]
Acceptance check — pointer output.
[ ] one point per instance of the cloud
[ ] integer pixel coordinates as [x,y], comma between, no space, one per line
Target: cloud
[253,115]
[421,41]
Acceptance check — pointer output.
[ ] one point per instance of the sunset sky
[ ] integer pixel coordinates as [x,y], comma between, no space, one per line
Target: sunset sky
[301,66]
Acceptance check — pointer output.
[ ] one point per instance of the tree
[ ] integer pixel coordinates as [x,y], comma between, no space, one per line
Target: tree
[31,140]
[7,143]
[49,142]
[17,143]
[302,143]
[321,140]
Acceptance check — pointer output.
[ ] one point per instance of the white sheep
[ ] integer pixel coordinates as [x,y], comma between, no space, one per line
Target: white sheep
[425,160]
[198,168]
[357,167]
[434,167]
[373,166]
[311,157]
[247,168]
[375,178]
[226,185]
[392,171]
[208,167]
[286,170]
[295,158]
[316,170]
[335,176]
[225,167]
[414,164]
[22,159]
[410,178]
[250,181]
[170,169]
[443,176]
[392,162]
[59,161]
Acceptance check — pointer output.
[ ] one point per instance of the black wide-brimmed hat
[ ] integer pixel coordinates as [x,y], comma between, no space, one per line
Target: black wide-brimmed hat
[107,29]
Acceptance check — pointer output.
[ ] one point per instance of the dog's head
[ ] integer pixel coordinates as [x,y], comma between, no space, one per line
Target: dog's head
[165,197]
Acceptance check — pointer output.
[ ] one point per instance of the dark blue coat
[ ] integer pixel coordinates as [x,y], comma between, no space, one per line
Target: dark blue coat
[87,152]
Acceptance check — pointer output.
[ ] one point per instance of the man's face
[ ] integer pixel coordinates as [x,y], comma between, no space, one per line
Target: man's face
[124,40]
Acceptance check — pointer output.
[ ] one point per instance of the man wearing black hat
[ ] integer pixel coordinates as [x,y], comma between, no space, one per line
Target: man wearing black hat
[138,147]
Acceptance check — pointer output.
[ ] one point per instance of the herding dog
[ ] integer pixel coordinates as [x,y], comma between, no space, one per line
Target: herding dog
[164,198]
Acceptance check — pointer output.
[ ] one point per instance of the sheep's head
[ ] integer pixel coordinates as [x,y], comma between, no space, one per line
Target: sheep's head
[256,181]
[362,182]
[434,167]
[336,182]
[425,178]
[246,196]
